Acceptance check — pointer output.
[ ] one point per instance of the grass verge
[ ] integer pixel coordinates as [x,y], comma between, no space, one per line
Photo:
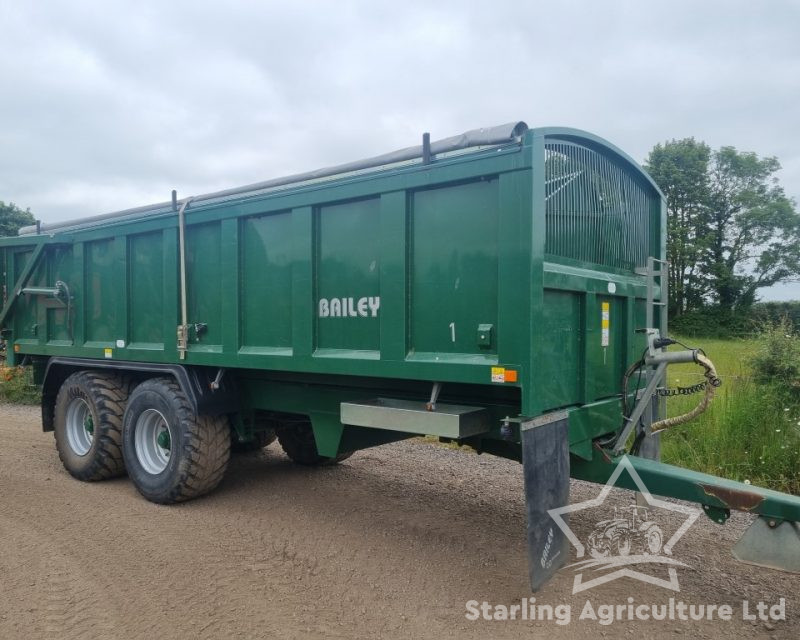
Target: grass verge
[751,432]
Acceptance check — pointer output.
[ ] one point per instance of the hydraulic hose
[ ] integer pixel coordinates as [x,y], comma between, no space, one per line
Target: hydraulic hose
[711,384]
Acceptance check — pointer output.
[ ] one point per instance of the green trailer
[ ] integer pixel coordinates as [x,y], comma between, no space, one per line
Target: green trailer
[490,289]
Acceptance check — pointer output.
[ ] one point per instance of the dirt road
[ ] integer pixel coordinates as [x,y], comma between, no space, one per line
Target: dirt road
[392,543]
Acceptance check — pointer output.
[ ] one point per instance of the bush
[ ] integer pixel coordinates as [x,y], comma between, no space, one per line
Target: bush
[713,322]
[777,358]
[765,313]
[16,386]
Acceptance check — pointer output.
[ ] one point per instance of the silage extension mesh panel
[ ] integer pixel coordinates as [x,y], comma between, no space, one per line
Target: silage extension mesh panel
[595,210]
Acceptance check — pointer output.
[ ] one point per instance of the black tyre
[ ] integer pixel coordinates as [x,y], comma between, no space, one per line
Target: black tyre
[88,424]
[297,440]
[171,453]
[263,436]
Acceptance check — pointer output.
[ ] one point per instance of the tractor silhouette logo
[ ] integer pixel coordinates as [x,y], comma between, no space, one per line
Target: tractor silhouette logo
[630,530]
[632,538]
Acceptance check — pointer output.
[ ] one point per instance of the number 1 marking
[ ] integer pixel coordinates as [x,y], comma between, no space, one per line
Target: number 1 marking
[453,331]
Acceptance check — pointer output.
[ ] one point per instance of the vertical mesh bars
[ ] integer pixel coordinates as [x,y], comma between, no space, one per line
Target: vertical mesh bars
[596,210]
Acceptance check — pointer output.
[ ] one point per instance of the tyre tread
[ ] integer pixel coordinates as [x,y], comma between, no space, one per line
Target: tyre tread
[207,446]
[109,393]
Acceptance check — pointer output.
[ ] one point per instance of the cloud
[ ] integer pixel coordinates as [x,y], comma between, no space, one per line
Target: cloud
[108,105]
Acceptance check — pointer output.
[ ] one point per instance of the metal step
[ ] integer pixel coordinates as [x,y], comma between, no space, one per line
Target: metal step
[447,420]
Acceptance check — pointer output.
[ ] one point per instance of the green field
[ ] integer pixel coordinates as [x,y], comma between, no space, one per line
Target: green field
[751,432]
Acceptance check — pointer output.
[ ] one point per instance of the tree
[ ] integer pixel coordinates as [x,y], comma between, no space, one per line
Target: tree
[731,229]
[12,218]
[680,168]
[754,229]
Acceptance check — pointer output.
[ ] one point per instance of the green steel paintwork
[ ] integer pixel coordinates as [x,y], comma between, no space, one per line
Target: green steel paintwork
[717,495]
[454,250]
[378,285]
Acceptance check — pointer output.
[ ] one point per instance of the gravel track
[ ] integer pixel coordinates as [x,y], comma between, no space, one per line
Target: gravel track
[391,543]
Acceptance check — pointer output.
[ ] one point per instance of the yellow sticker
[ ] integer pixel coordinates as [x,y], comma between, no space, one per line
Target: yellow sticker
[109,353]
[605,324]
[498,374]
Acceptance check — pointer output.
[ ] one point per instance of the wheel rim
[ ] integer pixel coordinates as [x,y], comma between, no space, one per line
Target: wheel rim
[153,441]
[80,426]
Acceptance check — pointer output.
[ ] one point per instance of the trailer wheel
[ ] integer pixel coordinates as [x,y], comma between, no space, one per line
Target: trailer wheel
[88,425]
[171,453]
[297,440]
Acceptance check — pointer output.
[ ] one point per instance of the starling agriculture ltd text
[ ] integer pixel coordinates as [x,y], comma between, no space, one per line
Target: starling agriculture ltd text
[606,614]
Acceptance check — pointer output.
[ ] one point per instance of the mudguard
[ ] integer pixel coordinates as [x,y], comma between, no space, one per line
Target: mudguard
[545,460]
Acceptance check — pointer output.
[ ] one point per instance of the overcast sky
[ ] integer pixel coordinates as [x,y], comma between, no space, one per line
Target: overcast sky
[107,105]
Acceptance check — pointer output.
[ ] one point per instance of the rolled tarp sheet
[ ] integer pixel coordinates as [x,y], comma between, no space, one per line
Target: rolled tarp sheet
[488,136]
